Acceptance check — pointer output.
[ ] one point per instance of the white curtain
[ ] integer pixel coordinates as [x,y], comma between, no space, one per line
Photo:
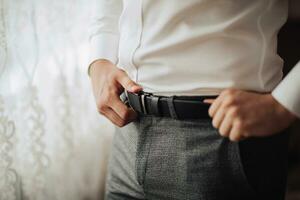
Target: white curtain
[53,143]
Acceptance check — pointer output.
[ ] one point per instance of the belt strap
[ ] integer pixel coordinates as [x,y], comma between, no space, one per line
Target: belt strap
[177,107]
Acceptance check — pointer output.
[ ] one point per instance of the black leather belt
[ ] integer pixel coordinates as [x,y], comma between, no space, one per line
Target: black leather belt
[177,107]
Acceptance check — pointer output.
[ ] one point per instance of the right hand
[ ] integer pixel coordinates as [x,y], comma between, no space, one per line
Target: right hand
[108,82]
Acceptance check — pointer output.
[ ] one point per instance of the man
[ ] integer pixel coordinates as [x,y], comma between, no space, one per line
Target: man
[207,105]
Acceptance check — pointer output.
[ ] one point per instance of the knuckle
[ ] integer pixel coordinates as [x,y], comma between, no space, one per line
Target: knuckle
[126,115]
[101,110]
[229,100]
[122,124]
[233,112]
[239,123]
[100,106]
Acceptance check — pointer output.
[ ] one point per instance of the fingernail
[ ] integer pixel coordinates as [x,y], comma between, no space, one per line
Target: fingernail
[210,101]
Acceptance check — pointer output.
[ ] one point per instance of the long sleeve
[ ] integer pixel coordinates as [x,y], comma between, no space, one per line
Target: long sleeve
[288,91]
[104,30]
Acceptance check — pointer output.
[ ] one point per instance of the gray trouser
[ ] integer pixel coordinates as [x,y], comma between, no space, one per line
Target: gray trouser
[162,158]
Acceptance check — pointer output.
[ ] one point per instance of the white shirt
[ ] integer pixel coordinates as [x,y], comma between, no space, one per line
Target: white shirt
[196,47]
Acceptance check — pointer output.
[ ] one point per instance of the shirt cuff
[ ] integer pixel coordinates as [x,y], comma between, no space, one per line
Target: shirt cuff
[287,93]
[104,46]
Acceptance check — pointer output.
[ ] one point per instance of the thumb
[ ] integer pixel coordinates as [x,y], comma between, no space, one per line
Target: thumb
[129,84]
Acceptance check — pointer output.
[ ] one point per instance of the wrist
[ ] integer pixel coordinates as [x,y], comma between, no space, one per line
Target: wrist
[99,65]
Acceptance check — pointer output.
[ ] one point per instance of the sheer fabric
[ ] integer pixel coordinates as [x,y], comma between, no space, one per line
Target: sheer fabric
[53,143]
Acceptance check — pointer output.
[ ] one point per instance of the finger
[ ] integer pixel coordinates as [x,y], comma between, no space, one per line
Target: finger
[125,113]
[226,126]
[218,117]
[210,101]
[113,117]
[235,134]
[128,84]
[215,105]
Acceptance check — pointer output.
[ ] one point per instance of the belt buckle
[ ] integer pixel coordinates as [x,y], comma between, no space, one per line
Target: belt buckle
[141,96]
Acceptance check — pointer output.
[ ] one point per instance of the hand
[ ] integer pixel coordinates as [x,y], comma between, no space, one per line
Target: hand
[108,82]
[239,114]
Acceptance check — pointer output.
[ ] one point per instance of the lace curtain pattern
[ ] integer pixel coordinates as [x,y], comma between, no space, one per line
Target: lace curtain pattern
[53,143]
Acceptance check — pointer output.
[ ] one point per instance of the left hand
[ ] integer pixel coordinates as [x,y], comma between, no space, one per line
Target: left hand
[239,114]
